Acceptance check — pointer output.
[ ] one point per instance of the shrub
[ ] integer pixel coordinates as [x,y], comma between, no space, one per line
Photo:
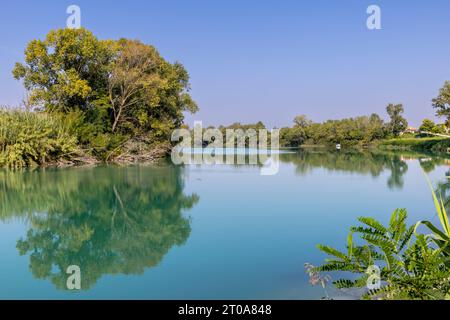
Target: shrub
[33,138]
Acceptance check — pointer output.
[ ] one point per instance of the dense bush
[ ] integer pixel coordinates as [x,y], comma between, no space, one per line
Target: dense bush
[32,138]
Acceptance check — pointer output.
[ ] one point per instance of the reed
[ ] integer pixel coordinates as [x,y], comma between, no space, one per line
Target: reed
[33,138]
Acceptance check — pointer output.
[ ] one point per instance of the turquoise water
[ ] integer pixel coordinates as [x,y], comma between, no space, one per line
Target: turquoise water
[197,232]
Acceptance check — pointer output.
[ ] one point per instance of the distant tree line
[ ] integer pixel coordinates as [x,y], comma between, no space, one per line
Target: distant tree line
[350,131]
[360,130]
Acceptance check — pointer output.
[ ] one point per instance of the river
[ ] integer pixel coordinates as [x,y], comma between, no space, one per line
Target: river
[201,231]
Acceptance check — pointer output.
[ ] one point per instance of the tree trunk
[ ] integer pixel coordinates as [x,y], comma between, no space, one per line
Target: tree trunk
[116,120]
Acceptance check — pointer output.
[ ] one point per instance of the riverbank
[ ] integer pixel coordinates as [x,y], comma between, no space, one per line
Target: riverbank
[39,139]
[435,144]
[424,145]
[132,153]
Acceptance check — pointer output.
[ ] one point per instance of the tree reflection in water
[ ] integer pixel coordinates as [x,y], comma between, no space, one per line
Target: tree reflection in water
[362,162]
[106,220]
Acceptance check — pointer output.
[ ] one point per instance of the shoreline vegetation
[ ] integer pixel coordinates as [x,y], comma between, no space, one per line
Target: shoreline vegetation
[92,101]
[39,139]
[425,144]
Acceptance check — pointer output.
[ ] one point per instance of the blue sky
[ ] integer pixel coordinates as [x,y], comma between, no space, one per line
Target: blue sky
[255,60]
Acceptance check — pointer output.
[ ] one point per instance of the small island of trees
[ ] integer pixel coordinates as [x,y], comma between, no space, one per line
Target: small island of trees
[93,100]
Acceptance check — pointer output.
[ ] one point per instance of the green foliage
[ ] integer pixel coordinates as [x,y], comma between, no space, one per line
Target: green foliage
[435,144]
[411,267]
[146,92]
[292,137]
[427,125]
[440,238]
[66,70]
[110,91]
[351,131]
[398,123]
[302,121]
[440,128]
[430,126]
[29,138]
[250,132]
[442,102]
[297,135]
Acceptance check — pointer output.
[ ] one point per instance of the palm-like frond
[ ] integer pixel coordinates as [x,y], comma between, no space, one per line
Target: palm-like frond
[440,209]
[440,237]
[333,252]
[348,284]
[409,267]
[374,224]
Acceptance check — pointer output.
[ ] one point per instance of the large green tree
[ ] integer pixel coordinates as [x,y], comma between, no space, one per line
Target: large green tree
[398,123]
[442,102]
[302,121]
[145,91]
[68,69]
[120,87]
[296,136]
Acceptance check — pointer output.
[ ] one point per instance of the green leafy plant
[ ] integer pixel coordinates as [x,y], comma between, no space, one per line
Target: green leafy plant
[33,138]
[411,266]
[440,238]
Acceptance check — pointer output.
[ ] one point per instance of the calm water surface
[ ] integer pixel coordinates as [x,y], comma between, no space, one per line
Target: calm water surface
[197,232]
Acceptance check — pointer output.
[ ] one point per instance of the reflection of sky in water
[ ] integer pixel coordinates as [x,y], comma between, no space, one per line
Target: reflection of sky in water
[237,151]
[251,234]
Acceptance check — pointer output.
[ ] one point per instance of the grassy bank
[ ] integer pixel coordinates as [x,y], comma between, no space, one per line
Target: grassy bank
[435,144]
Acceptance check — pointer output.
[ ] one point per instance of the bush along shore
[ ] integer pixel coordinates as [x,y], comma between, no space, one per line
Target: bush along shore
[91,101]
[421,144]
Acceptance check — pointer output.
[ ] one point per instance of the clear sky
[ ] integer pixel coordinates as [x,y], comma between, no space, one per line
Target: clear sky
[253,60]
